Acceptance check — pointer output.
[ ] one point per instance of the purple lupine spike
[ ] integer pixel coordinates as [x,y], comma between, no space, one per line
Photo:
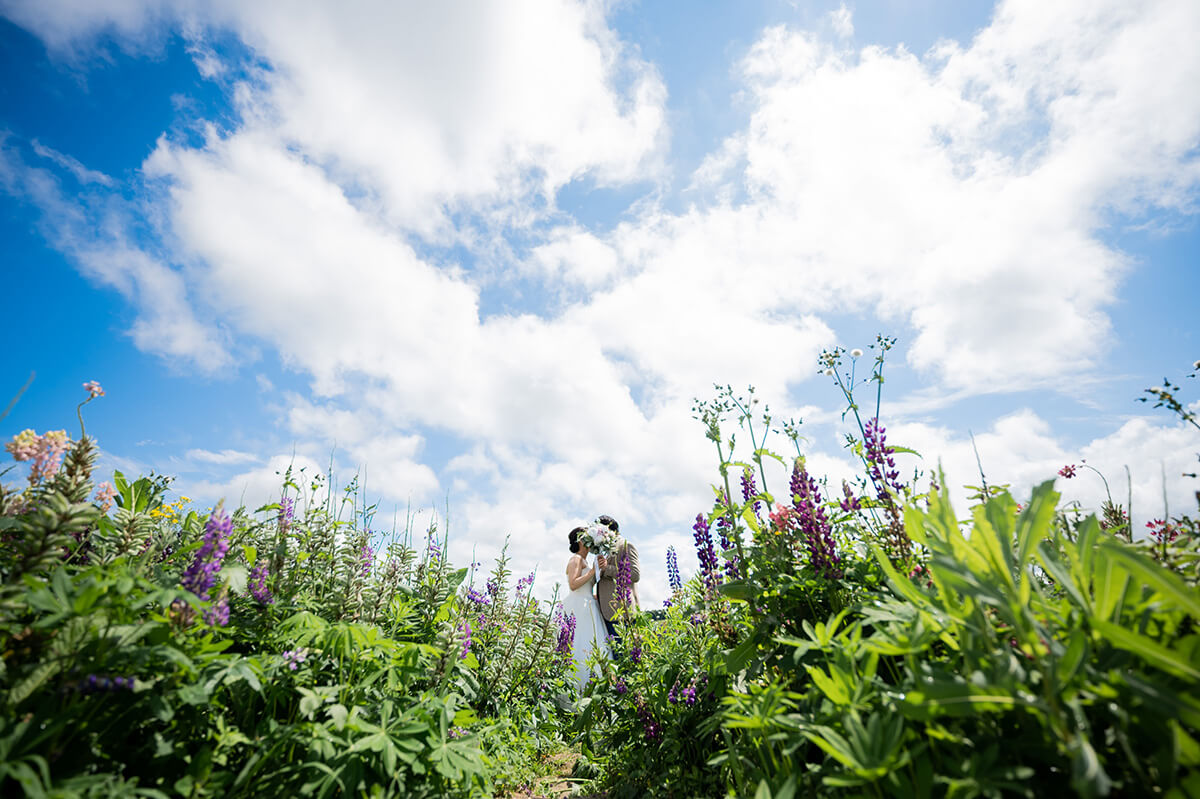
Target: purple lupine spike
[566,635]
[201,576]
[849,502]
[727,547]
[287,510]
[366,559]
[812,524]
[465,630]
[673,570]
[704,550]
[258,584]
[624,592]
[217,614]
[750,489]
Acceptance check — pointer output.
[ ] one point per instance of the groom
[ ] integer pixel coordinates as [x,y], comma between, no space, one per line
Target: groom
[606,587]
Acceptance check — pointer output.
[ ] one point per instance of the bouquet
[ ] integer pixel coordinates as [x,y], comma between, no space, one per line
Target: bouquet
[601,539]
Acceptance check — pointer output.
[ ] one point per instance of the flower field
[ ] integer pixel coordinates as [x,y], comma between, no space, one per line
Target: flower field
[866,639]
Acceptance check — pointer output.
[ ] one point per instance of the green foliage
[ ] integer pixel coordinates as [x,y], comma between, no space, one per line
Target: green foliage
[337,672]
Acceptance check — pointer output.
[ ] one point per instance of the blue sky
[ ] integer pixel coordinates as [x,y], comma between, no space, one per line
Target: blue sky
[490,256]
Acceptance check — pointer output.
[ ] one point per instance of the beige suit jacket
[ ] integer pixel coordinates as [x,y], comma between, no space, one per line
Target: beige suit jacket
[606,587]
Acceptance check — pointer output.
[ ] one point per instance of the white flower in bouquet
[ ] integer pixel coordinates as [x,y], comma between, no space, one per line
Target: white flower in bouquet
[601,539]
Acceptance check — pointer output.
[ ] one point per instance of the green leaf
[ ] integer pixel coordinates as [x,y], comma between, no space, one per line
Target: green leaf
[1147,649]
[739,590]
[1166,582]
[737,659]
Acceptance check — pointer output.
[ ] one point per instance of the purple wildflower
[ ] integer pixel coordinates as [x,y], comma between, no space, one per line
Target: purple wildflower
[653,730]
[477,597]
[727,548]
[287,509]
[566,635]
[811,523]
[704,550]
[258,584]
[750,489]
[524,583]
[493,587]
[201,576]
[673,694]
[94,683]
[294,657]
[673,570]
[465,629]
[849,501]
[881,464]
[624,593]
[366,559]
[621,687]
[217,614]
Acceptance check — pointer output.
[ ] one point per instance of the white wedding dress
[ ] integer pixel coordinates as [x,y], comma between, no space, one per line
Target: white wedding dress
[590,633]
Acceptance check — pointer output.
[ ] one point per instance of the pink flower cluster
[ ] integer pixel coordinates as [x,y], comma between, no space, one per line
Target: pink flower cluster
[46,451]
[1067,472]
[93,389]
[104,495]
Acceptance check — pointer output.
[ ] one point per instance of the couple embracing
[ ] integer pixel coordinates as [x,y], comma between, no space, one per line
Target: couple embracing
[595,591]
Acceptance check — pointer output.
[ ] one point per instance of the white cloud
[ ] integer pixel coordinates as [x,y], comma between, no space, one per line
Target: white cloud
[842,20]
[72,165]
[224,457]
[93,231]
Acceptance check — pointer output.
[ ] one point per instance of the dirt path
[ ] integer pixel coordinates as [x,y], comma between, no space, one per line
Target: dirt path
[558,784]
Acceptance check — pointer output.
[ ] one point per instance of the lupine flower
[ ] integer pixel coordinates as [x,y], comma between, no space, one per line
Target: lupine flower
[635,654]
[879,455]
[727,546]
[287,508]
[217,614]
[46,451]
[294,657]
[258,584]
[93,389]
[478,597]
[624,592]
[673,694]
[465,630]
[94,683]
[621,687]
[104,495]
[202,574]
[1067,472]
[812,524]
[493,587]
[849,502]
[673,570]
[433,547]
[704,550]
[566,635]
[652,728]
[524,583]
[366,559]
[750,489]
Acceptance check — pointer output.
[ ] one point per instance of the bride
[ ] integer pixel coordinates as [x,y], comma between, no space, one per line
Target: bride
[590,632]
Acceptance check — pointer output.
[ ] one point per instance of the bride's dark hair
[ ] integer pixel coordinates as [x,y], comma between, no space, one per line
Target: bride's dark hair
[573,537]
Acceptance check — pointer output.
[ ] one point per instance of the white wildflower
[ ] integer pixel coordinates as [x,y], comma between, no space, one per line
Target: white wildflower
[856,353]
